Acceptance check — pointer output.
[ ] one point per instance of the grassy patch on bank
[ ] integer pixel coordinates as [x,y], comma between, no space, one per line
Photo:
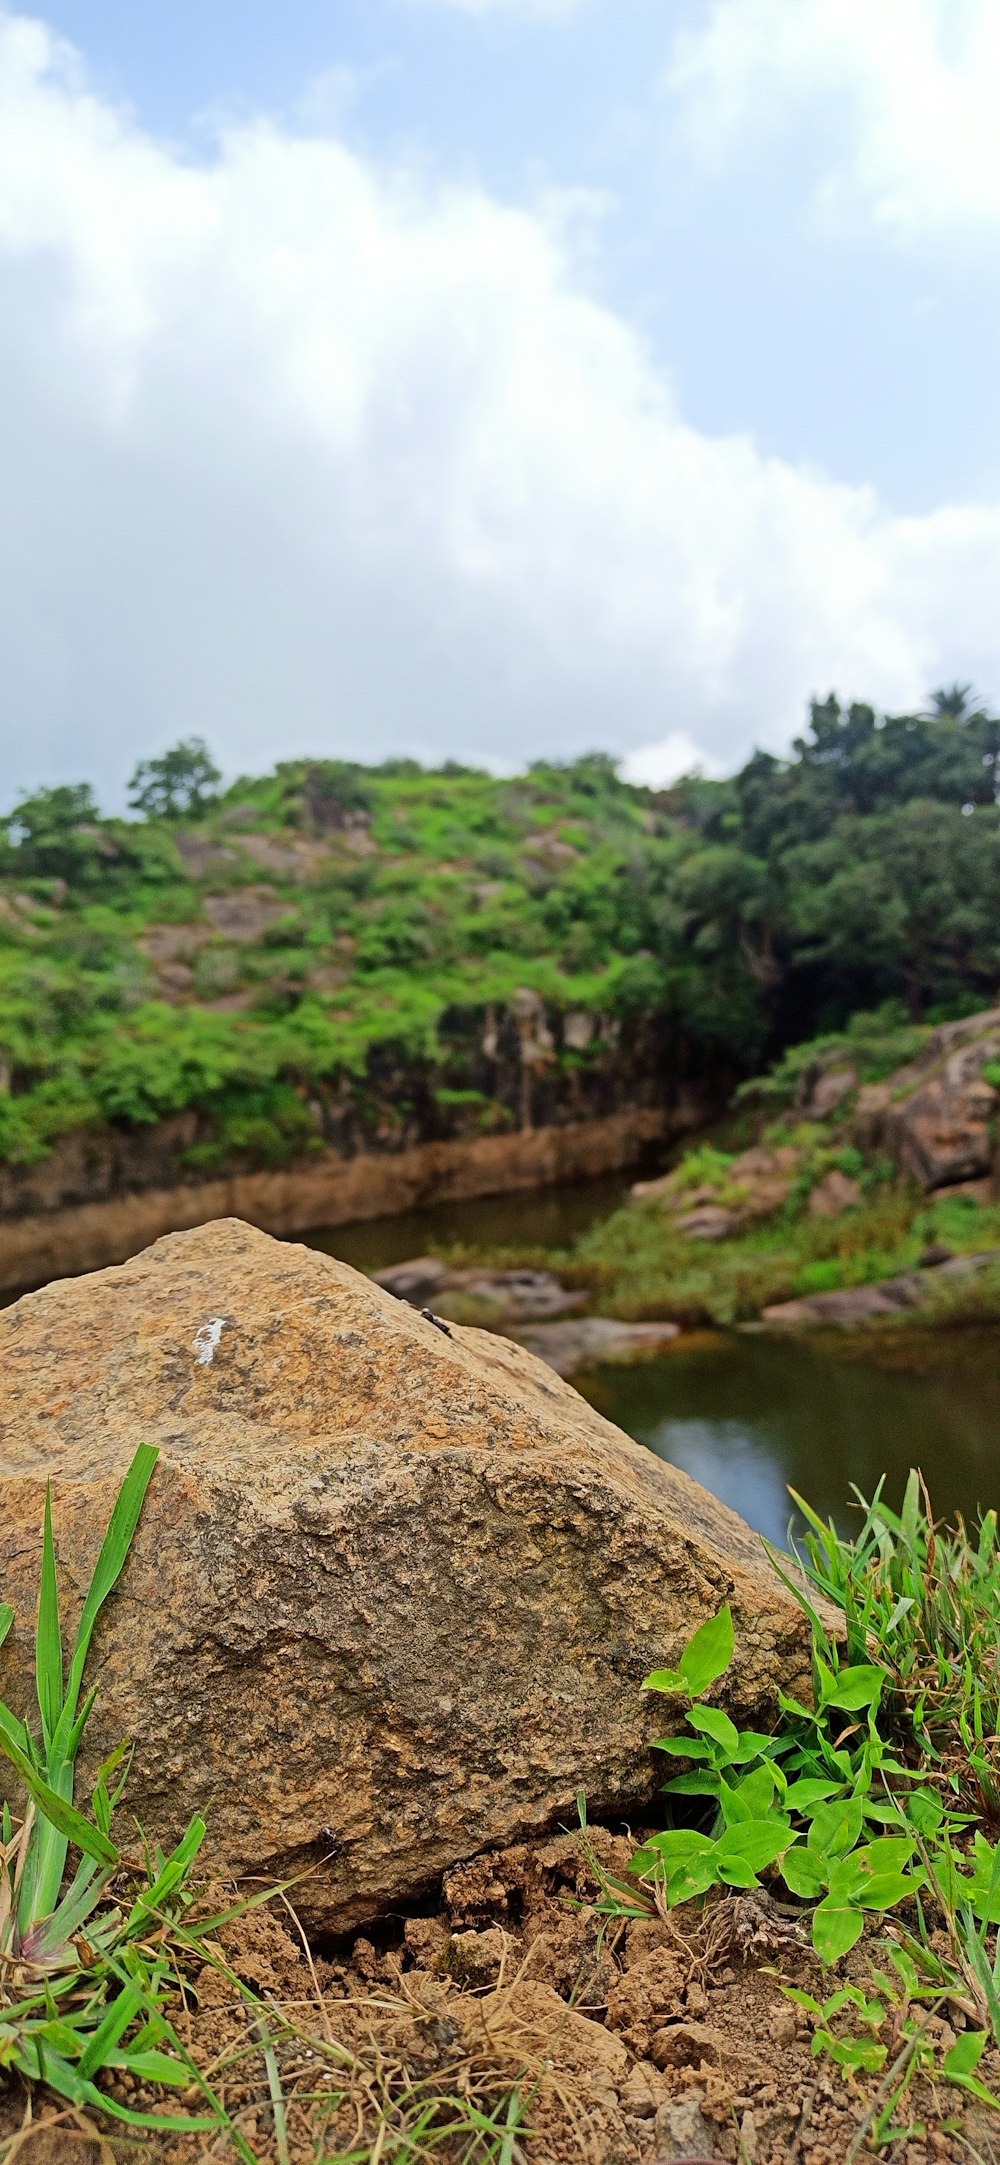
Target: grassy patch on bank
[765,1210]
[638,1265]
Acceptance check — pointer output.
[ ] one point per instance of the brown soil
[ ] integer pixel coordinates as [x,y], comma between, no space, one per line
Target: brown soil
[628,2041]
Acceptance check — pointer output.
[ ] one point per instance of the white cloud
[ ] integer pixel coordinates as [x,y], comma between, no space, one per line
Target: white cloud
[921,83]
[308,455]
[657,765]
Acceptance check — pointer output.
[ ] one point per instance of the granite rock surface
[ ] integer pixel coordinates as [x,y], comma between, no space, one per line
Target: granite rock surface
[395,1589]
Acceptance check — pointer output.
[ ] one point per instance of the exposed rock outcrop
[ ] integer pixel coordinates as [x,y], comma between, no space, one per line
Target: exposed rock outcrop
[935,1117]
[517,1296]
[594,1340]
[39,1240]
[394,1591]
[867,1303]
[825,1086]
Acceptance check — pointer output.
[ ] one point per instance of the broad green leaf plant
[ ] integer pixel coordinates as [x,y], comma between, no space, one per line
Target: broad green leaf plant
[856,2030]
[872,1805]
[801,1800]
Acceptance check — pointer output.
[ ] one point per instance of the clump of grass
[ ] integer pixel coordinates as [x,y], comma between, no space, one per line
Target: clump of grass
[637,1265]
[927,1599]
[84,1979]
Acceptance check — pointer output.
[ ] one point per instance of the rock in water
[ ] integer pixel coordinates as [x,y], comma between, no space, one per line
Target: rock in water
[416,1281]
[393,1593]
[887,1297]
[595,1340]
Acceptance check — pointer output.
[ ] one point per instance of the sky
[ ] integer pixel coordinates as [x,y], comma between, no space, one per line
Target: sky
[491,379]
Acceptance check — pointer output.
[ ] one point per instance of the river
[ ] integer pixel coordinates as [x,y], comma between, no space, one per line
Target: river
[747,1414]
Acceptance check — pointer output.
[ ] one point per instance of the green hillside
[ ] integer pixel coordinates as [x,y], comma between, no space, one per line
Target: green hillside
[235,950]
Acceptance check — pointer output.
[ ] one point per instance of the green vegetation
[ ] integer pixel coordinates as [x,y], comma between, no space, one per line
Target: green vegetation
[82,1984]
[636,1264]
[181,785]
[261,963]
[775,1237]
[875,1805]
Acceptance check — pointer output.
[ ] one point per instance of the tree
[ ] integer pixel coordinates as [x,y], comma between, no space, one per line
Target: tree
[55,835]
[180,785]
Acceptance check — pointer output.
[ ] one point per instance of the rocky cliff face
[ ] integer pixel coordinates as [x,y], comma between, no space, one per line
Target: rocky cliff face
[525,1094]
[509,1071]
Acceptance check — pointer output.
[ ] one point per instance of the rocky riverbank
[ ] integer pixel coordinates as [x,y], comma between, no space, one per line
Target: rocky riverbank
[846,1187]
[825,1198]
[55,1238]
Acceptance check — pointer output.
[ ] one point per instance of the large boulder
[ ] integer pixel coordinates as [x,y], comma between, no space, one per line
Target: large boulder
[395,1587]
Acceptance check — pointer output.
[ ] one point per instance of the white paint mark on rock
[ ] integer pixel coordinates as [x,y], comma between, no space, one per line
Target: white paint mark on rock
[207,1338]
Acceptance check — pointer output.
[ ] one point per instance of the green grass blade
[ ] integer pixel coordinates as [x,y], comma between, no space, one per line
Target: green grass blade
[150,2066]
[62,1815]
[514,2125]
[797,1591]
[17,1733]
[171,2122]
[104,1801]
[107,1570]
[78,1903]
[910,1516]
[122,2011]
[172,1873]
[6,1619]
[48,1635]
[76,1733]
[40,2063]
[193,1933]
[198,2079]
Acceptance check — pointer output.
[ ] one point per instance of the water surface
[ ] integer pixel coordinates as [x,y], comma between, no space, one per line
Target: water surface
[549,1218]
[746,1413]
[750,1416]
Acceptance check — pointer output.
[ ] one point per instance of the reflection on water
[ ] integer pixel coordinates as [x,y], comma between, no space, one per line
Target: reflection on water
[541,1218]
[750,1416]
